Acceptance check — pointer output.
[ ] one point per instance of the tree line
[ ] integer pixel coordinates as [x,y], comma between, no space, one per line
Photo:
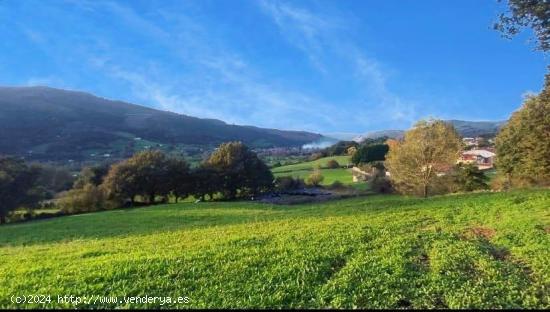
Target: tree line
[232,171]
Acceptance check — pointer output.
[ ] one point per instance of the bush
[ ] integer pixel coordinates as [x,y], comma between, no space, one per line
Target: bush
[333,164]
[381,184]
[315,178]
[288,183]
[469,178]
[88,198]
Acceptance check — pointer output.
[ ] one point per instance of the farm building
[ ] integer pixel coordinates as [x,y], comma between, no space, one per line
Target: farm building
[361,175]
[484,159]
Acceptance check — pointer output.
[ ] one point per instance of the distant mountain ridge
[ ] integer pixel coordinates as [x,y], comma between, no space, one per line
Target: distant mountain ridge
[463,127]
[53,124]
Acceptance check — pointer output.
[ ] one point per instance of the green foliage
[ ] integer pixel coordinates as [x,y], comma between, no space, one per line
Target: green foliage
[315,178]
[86,199]
[240,170]
[468,177]
[339,149]
[369,153]
[430,148]
[91,175]
[333,164]
[53,179]
[285,183]
[381,185]
[534,14]
[148,174]
[523,145]
[468,251]
[179,180]
[206,181]
[18,186]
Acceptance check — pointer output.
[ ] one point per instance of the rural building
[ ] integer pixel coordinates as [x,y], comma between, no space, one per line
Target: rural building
[469,141]
[484,159]
[359,175]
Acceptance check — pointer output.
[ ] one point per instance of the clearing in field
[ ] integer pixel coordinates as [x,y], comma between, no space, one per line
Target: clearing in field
[484,250]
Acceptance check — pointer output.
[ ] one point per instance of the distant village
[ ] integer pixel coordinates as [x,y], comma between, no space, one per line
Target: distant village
[478,151]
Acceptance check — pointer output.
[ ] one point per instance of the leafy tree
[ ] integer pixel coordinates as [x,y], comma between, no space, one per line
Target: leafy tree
[149,174]
[351,150]
[534,14]
[91,175]
[240,170]
[339,149]
[179,181]
[87,198]
[523,144]
[121,183]
[53,179]
[369,153]
[206,181]
[468,177]
[429,148]
[288,183]
[18,186]
[315,178]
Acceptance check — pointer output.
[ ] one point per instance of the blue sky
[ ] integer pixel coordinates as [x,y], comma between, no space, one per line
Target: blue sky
[324,66]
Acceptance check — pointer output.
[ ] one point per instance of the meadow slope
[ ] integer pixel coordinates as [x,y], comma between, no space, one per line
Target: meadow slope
[459,251]
[304,169]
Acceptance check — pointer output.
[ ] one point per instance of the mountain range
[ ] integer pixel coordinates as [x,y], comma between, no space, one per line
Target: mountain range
[44,123]
[463,127]
[48,124]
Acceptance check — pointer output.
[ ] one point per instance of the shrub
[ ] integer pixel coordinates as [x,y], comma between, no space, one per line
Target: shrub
[315,178]
[469,178]
[381,184]
[333,164]
[288,183]
[88,198]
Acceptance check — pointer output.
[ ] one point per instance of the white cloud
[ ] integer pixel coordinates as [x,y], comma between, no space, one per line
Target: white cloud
[225,86]
[50,81]
[206,77]
[323,37]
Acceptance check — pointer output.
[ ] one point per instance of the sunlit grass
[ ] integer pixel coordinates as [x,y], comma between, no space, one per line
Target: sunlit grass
[460,251]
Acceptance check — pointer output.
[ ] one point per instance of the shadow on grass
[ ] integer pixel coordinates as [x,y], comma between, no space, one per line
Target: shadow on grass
[171,217]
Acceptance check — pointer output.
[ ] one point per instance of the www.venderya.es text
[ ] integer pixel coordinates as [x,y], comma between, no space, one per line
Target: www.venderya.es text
[99,300]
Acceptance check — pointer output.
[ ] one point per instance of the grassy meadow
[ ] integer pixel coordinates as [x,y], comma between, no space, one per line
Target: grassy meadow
[479,250]
[304,169]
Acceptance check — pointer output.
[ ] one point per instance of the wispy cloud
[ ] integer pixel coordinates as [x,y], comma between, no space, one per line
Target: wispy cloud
[169,59]
[225,86]
[302,28]
[323,37]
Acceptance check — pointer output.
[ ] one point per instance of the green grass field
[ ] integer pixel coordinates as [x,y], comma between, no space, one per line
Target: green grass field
[330,175]
[476,250]
[310,165]
[304,169]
